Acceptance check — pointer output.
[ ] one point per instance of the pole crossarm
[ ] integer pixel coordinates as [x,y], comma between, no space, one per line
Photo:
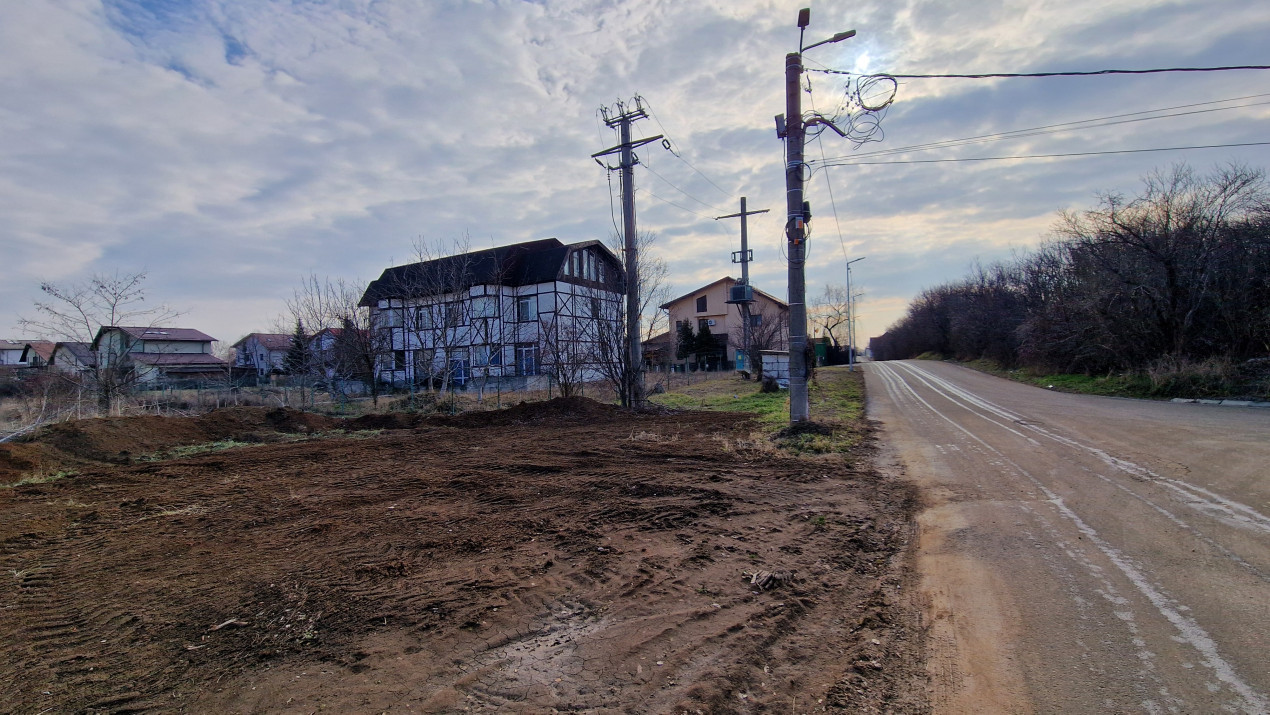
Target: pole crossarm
[635,144]
[747,213]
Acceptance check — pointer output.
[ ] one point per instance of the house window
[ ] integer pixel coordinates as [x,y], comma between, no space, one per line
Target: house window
[486,355]
[527,308]
[575,259]
[679,324]
[701,304]
[423,318]
[596,308]
[702,324]
[392,318]
[399,360]
[485,306]
[526,359]
[756,320]
[453,314]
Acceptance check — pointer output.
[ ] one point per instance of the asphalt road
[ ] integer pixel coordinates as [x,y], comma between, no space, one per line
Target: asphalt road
[1084,554]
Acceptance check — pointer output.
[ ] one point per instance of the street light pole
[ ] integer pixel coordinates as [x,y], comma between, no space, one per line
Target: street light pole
[851,317]
[791,127]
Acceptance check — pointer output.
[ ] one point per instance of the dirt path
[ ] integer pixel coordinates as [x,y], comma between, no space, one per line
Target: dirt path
[1083,554]
[568,558]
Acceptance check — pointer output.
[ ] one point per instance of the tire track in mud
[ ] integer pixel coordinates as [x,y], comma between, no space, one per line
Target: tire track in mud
[500,568]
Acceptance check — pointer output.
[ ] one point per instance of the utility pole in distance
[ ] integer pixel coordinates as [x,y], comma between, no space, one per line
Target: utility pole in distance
[792,129]
[746,296]
[622,117]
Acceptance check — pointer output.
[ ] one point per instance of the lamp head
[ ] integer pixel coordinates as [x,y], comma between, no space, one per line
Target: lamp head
[804,17]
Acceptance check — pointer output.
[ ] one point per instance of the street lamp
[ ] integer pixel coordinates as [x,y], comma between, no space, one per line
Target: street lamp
[851,317]
[792,128]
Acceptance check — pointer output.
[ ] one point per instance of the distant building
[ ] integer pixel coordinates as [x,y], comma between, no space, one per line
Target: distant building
[262,352]
[11,351]
[709,307]
[73,357]
[157,354]
[37,353]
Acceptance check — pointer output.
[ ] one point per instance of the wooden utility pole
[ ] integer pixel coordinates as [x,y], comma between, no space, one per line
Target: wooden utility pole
[622,117]
[744,256]
[792,128]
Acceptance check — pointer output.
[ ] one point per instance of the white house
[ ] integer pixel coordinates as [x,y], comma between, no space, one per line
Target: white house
[262,352]
[520,315]
[153,354]
[11,351]
[73,357]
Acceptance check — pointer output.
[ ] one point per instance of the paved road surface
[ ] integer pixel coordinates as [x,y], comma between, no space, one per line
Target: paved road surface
[1084,554]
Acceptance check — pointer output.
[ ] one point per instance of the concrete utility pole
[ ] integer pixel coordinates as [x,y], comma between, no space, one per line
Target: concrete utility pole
[622,117]
[744,256]
[851,317]
[792,128]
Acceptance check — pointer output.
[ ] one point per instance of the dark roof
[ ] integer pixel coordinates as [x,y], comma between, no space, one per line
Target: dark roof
[83,352]
[157,333]
[516,265]
[271,341]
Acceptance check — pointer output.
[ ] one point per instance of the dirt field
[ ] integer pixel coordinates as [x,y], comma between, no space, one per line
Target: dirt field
[563,556]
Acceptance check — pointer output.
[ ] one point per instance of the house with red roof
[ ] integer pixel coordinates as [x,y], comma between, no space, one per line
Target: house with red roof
[156,355]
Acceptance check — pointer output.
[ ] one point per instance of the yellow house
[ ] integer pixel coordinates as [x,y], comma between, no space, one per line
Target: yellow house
[710,306]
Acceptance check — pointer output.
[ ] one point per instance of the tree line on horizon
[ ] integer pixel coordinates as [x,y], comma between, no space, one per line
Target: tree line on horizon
[1177,275]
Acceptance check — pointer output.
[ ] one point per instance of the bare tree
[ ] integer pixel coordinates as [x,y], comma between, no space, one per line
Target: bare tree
[769,330]
[76,312]
[346,342]
[653,290]
[831,312]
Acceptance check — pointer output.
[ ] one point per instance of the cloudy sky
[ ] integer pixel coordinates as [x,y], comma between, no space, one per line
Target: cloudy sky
[230,148]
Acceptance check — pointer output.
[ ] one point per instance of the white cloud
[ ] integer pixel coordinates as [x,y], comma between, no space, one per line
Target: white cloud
[231,147]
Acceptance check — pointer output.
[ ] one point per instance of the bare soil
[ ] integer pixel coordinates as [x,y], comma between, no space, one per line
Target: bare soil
[559,556]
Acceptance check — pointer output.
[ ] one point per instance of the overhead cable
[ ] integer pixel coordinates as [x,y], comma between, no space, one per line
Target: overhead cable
[844,161]
[1006,75]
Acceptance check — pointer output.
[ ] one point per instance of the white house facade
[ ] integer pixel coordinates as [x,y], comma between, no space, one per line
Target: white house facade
[521,316]
[262,352]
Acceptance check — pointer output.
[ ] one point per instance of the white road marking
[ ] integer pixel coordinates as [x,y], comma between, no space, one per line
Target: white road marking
[1189,631]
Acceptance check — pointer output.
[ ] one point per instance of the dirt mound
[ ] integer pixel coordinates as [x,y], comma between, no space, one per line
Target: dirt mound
[285,419]
[556,410]
[387,420]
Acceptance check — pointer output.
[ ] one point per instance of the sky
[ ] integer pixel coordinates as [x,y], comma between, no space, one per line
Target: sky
[229,149]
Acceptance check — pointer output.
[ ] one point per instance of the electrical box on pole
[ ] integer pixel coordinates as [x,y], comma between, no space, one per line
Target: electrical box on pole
[792,128]
[742,294]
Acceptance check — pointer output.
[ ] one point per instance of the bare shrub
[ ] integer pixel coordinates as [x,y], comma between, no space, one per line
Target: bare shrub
[1173,376]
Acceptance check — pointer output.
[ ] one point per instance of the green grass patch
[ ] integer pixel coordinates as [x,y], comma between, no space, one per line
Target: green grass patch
[43,478]
[1124,385]
[190,450]
[837,410]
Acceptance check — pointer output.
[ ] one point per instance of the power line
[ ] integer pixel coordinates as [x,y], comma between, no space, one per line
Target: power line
[845,162]
[672,203]
[667,144]
[672,185]
[829,184]
[1006,75]
[1056,128]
